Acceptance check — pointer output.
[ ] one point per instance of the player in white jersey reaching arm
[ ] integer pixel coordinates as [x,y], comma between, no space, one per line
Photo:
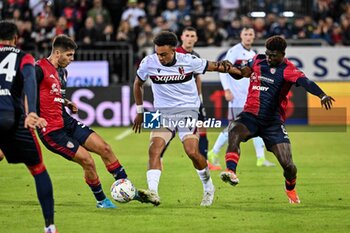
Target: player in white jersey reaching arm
[175,99]
[236,92]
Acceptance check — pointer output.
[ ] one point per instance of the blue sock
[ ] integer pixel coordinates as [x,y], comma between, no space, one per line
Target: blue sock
[203,145]
[117,170]
[98,192]
[45,195]
[232,159]
[119,173]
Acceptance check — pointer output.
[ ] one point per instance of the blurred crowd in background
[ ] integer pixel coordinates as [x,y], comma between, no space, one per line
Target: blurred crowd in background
[137,21]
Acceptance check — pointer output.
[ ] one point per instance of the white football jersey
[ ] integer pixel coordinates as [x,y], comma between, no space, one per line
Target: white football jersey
[173,86]
[237,55]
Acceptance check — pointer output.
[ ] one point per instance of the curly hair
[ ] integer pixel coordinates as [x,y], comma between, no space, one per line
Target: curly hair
[276,43]
[166,38]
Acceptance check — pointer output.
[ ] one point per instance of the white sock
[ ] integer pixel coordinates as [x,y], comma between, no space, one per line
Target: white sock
[259,147]
[204,175]
[220,142]
[52,228]
[153,177]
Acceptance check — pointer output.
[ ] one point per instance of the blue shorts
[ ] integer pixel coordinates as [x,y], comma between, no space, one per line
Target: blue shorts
[20,145]
[272,132]
[67,140]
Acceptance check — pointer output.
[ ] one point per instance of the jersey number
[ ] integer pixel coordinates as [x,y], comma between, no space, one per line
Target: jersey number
[7,66]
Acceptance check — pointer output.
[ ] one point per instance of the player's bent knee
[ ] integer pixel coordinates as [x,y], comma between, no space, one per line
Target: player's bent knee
[156,147]
[234,137]
[37,169]
[191,149]
[192,152]
[86,161]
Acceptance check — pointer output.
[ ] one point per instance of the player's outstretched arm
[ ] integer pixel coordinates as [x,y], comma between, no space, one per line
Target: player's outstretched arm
[138,95]
[313,88]
[226,66]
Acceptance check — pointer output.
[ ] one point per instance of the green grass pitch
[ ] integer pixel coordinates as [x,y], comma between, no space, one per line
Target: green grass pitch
[257,204]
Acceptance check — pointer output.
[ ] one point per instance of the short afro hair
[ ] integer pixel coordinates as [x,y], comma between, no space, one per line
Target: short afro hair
[276,43]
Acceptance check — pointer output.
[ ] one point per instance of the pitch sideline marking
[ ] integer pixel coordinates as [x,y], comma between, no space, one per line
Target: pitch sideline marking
[123,135]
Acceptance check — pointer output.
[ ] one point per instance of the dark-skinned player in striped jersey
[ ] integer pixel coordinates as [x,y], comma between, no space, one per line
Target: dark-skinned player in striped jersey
[272,76]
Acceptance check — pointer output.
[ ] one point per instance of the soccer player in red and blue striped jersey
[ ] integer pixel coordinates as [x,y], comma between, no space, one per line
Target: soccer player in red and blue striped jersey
[18,118]
[65,135]
[272,76]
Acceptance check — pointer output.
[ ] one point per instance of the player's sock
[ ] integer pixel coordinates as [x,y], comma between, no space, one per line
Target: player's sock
[96,188]
[204,175]
[220,142]
[259,147]
[117,170]
[203,145]
[45,195]
[290,184]
[232,159]
[153,177]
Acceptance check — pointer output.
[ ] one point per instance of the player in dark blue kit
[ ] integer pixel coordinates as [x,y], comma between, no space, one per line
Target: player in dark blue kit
[18,117]
[272,76]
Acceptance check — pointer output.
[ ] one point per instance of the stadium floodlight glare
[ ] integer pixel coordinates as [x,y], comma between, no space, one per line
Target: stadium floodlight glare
[288,14]
[257,14]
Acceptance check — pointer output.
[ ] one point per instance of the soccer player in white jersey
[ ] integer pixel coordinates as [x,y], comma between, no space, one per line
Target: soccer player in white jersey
[236,92]
[175,95]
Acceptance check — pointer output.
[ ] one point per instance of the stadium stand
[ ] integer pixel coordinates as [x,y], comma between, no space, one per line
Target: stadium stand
[123,31]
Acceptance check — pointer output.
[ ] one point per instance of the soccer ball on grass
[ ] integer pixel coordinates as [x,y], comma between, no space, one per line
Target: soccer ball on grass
[123,190]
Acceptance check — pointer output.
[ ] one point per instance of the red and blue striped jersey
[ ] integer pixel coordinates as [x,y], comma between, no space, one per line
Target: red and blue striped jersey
[51,94]
[12,61]
[269,87]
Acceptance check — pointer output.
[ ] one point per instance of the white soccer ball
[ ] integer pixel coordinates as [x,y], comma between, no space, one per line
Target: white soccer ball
[123,190]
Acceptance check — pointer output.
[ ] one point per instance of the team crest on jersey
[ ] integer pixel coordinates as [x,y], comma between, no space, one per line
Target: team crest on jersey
[70,144]
[253,78]
[181,70]
[272,70]
[54,89]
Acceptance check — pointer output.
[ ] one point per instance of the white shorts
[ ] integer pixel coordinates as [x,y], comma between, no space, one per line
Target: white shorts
[235,107]
[183,122]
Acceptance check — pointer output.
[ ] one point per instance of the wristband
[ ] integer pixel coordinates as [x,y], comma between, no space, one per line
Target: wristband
[323,97]
[139,108]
